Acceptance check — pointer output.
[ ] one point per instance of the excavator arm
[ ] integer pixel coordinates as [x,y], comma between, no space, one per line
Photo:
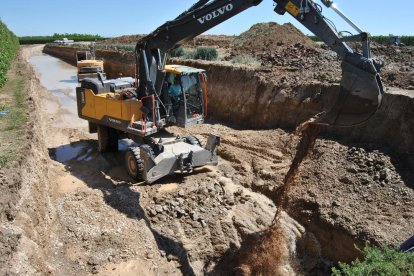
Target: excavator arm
[361,89]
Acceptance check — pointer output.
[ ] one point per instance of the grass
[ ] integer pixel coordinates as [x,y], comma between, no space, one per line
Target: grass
[9,45]
[379,261]
[247,60]
[204,53]
[13,124]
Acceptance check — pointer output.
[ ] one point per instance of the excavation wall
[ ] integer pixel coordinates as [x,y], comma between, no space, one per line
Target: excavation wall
[245,98]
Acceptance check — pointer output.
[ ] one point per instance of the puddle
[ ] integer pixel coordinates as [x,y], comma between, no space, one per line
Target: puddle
[82,151]
[55,74]
[79,152]
[59,78]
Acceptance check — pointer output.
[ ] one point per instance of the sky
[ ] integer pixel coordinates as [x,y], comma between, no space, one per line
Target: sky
[124,17]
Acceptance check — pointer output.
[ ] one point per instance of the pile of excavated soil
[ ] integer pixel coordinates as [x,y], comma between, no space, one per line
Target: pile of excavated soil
[221,41]
[398,70]
[125,39]
[265,37]
[348,194]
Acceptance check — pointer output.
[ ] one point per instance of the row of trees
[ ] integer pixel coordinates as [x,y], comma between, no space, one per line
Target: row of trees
[56,36]
[382,39]
[9,44]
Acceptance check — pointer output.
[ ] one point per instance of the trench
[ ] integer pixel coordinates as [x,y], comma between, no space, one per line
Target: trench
[256,104]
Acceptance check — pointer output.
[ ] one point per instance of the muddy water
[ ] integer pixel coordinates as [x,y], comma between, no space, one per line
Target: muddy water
[59,78]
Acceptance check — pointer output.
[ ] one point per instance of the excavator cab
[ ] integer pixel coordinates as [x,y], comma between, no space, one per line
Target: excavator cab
[185,95]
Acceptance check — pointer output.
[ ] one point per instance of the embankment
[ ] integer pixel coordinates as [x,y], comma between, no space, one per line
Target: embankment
[241,96]
[23,234]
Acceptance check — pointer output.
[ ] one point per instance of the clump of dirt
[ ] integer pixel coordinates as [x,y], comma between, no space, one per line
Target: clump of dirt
[265,37]
[398,70]
[267,256]
[308,132]
[221,41]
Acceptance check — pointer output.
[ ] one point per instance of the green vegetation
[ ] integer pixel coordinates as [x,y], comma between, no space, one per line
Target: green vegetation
[12,124]
[407,40]
[381,39]
[247,60]
[49,39]
[178,52]
[9,45]
[116,47]
[205,53]
[379,261]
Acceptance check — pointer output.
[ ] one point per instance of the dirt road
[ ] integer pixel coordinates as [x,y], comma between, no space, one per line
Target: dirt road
[87,216]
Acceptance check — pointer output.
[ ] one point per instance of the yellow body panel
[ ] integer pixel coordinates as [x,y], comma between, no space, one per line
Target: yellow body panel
[90,62]
[107,104]
[292,9]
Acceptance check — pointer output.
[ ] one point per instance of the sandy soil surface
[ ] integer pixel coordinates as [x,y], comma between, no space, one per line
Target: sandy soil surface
[98,221]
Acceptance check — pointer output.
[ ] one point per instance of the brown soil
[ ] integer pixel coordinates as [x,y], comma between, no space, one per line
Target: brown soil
[83,214]
[265,256]
[268,37]
[218,41]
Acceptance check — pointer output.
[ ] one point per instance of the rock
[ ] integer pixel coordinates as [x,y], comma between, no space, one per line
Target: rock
[93,261]
[180,212]
[336,204]
[170,257]
[239,192]
[181,193]
[152,213]
[150,255]
[162,253]
[345,179]
[352,169]
[194,216]
[210,186]
[384,174]
[159,209]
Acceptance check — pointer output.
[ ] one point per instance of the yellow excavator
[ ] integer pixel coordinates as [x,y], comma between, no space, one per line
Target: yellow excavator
[88,66]
[161,95]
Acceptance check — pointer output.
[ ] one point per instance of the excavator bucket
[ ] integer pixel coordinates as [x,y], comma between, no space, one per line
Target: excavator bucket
[359,98]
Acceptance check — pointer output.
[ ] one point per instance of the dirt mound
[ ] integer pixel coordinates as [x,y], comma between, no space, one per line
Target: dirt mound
[222,41]
[264,37]
[125,39]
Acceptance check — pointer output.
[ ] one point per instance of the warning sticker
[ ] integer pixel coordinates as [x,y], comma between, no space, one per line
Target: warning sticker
[292,9]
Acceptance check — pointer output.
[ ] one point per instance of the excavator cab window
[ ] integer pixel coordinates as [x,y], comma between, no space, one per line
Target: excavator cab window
[193,94]
[185,95]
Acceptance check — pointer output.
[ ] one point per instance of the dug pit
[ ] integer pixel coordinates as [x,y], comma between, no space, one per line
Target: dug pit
[356,185]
